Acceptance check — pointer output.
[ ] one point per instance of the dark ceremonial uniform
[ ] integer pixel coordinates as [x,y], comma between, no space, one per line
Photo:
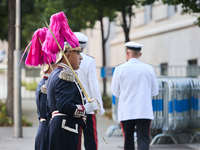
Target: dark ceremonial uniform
[65,102]
[41,97]
[90,133]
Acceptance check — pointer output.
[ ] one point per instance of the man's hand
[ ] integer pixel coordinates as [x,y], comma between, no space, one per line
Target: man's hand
[91,106]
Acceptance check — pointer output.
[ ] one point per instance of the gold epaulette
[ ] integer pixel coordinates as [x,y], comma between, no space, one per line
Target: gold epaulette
[68,76]
[44,89]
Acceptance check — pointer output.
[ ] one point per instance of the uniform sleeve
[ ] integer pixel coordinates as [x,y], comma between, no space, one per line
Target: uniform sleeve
[42,105]
[94,85]
[155,87]
[65,93]
[115,84]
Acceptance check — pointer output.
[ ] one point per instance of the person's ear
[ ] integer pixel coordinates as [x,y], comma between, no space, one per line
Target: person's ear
[140,55]
[67,55]
[127,52]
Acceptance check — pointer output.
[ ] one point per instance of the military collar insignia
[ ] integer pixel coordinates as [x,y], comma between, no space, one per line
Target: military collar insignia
[46,76]
[63,66]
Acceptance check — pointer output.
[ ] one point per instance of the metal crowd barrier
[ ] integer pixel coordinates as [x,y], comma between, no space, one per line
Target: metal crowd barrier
[180,97]
[176,111]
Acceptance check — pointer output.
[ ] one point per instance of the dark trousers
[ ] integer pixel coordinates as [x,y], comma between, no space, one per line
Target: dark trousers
[142,127]
[90,133]
[40,139]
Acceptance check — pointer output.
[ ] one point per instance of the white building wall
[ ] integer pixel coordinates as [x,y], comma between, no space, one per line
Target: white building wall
[4,47]
[167,35]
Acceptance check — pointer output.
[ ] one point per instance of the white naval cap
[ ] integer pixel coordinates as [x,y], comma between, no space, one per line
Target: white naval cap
[82,38]
[133,46]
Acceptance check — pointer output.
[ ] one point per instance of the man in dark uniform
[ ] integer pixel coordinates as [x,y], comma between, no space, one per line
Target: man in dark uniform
[41,97]
[66,104]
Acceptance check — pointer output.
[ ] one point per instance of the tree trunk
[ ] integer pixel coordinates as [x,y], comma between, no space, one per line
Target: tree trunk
[125,25]
[11,47]
[103,49]
[104,40]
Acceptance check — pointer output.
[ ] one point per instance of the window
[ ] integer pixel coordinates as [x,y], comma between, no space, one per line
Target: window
[192,62]
[192,69]
[164,69]
[148,14]
[171,10]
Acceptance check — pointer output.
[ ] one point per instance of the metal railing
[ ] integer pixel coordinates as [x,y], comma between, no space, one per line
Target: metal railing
[25,93]
[178,71]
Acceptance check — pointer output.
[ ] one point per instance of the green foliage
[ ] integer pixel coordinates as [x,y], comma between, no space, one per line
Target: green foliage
[107,102]
[30,86]
[108,114]
[4,119]
[147,2]
[188,6]
[25,122]
[4,19]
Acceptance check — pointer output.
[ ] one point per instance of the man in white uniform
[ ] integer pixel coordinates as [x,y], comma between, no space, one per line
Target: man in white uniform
[134,83]
[87,76]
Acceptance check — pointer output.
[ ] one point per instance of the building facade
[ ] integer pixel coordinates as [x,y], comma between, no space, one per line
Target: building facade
[171,41]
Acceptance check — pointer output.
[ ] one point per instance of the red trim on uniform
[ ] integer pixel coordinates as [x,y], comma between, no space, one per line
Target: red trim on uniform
[149,129]
[45,77]
[83,107]
[55,112]
[60,67]
[79,138]
[122,131]
[95,130]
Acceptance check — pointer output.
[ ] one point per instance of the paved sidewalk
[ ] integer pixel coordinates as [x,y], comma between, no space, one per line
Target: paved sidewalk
[115,142]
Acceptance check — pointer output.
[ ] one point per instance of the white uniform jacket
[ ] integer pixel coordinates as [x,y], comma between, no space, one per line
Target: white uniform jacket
[88,78]
[134,83]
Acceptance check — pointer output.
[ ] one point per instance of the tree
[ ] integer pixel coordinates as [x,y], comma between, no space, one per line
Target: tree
[4,19]
[188,6]
[7,15]
[11,47]
[100,9]
[126,10]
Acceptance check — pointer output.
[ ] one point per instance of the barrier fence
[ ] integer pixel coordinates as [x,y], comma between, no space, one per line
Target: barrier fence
[176,110]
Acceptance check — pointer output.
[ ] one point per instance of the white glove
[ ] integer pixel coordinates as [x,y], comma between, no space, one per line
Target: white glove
[91,106]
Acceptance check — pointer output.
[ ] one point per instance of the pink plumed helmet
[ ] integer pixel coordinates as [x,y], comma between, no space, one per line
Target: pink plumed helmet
[36,56]
[62,32]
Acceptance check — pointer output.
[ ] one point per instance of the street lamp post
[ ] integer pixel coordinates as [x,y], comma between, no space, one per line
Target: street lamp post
[17,74]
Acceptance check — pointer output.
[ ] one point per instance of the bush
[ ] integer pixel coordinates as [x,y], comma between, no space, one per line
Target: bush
[4,119]
[30,86]
[108,114]
[107,102]
[25,122]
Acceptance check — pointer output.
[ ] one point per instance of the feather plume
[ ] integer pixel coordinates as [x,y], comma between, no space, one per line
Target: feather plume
[62,32]
[36,56]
